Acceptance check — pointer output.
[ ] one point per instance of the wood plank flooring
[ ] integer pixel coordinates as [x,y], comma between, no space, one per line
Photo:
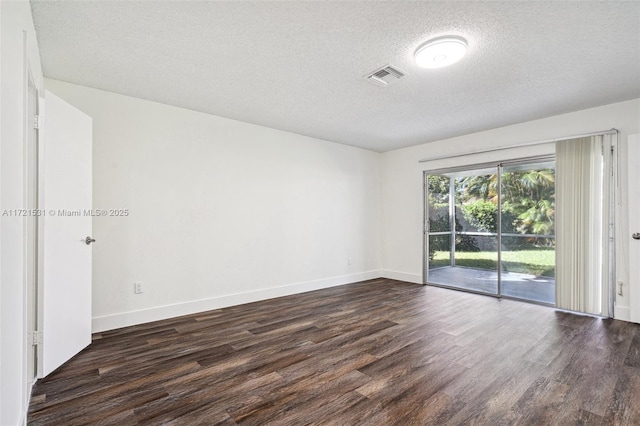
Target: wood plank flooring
[379,352]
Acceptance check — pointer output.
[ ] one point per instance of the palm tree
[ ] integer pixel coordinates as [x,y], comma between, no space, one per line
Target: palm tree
[539,219]
[528,195]
[482,187]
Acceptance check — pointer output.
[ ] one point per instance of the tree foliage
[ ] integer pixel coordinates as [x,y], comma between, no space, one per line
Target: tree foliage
[440,219]
[528,202]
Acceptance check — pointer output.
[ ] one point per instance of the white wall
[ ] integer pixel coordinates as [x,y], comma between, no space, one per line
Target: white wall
[224,212]
[221,212]
[16,26]
[402,208]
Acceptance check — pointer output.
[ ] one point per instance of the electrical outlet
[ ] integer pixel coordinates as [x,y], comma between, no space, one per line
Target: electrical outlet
[138,288]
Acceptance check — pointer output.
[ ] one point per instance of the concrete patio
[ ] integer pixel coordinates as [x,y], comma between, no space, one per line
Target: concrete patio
[521,286]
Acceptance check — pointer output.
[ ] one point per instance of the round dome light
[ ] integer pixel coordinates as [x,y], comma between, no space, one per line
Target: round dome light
[441,52]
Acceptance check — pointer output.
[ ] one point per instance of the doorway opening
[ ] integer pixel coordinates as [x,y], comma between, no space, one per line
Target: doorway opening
[490,229]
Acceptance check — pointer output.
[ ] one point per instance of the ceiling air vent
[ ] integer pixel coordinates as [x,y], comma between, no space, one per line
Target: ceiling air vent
[385,75]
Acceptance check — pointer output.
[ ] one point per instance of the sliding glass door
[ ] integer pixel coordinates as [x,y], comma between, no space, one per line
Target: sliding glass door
[490,230]
[462,253]
[528,231]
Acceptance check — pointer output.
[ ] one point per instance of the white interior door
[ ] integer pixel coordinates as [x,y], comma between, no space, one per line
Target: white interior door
[633,158]
[64,287]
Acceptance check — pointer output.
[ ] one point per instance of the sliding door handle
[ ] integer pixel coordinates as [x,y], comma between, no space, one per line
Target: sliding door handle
[636,236]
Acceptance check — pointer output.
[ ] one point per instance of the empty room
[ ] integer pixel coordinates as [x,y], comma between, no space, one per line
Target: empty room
[319,212]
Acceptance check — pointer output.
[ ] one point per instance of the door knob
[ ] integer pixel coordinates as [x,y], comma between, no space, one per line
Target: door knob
[636,236]
[89,240]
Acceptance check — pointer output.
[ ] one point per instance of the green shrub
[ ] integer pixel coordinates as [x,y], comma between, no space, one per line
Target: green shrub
[482,215]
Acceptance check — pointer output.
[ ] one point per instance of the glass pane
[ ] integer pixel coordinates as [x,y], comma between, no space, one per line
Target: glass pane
[477,203]
[475,263]
[528,199]
[439,251]
[438,193]
[528,268]
[478,252]
[528,226]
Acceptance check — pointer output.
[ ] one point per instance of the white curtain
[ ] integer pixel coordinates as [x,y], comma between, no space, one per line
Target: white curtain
[583,200]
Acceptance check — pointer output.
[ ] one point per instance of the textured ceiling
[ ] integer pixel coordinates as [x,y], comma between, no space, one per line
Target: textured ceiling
[299,66]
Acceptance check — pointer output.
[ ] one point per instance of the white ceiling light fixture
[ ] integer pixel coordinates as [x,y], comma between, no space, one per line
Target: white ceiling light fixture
[441,52]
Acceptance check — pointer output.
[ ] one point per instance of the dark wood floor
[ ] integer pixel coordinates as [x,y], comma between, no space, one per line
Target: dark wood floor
[376,353]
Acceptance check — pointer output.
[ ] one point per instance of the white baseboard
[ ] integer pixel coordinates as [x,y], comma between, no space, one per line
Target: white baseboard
[622,313]
[401,276]
[125,319]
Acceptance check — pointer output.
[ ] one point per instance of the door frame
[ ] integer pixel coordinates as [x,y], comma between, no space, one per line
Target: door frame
[31,233]
[41,225]
[633,278]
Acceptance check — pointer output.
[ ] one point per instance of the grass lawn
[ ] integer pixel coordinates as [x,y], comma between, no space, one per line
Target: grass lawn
[540,261]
